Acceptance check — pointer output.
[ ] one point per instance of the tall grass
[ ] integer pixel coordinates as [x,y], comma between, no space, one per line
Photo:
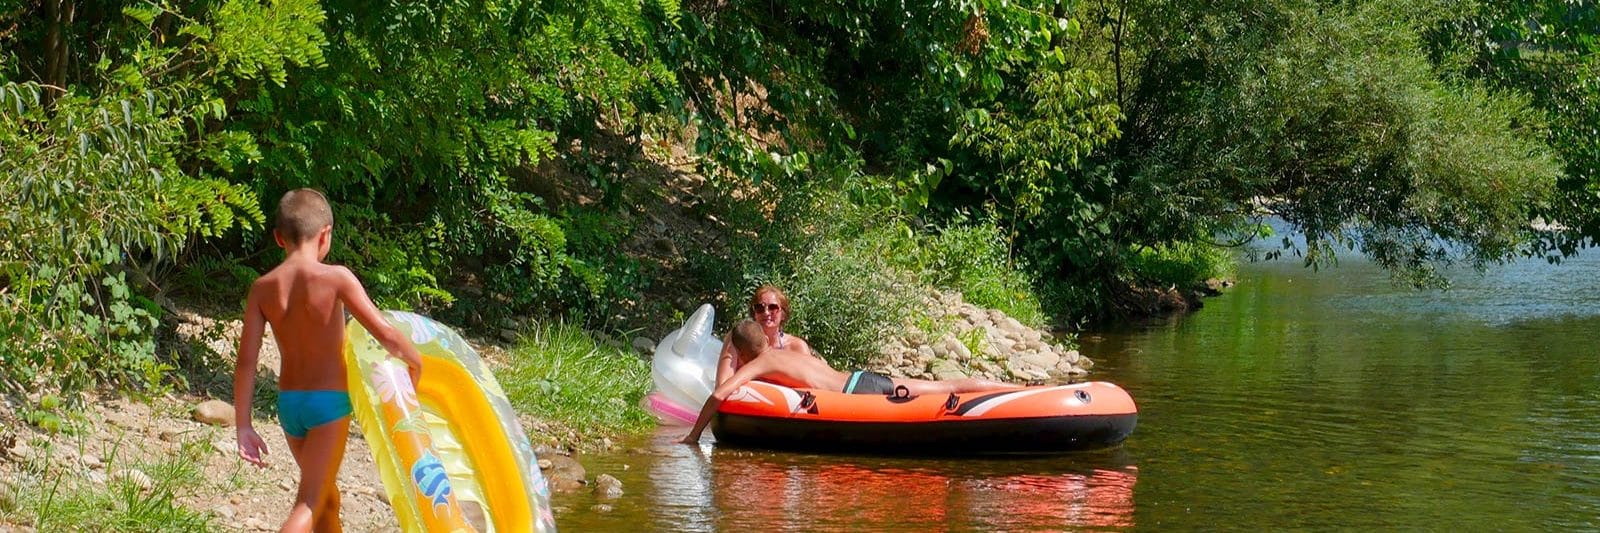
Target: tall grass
[49,498]
[562,374]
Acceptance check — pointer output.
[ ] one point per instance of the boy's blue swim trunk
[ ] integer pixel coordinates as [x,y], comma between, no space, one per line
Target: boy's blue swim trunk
[301,410]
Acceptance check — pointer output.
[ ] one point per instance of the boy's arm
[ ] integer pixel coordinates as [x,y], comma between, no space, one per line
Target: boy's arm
[251,446]
[725,360]
[744,375]
[361,307]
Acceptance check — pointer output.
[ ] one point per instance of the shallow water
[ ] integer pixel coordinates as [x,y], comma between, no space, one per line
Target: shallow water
[1299,399]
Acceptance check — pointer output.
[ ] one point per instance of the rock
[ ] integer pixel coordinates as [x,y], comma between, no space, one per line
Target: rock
[225,447]
[236,499]
[91,461]
[225,511]
[1072,357]
[644,346]
[545,464]
[946,369]
[135,477]
[1214,286]
[286,485]
[607,487]
[941,350]
[170,435]
[214,412]
[1032,335]
[1043,360]
[19,450]
[1011,324]
[601,508]
[1025,372]
[961,351]
[97,477]
[562,466]
[255,523]
[605,443]
[508,335]
[561,484]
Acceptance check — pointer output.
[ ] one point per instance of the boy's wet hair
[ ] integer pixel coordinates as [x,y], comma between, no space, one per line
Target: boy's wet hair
[748,338]
[302,213]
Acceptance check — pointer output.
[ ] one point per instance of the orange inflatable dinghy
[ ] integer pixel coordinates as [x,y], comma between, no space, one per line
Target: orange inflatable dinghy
[1046,419]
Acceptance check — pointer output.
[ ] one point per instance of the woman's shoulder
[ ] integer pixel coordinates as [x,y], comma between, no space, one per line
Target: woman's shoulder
[797,343]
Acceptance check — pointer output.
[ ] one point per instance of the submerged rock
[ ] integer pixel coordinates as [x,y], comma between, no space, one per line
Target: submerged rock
[607,487]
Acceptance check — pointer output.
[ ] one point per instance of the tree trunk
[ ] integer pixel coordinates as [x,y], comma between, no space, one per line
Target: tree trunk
[58,14]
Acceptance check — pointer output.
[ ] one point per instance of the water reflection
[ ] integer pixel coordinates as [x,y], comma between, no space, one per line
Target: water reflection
[750,490]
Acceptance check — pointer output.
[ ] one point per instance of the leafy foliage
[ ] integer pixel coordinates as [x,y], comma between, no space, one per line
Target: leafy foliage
[478,153]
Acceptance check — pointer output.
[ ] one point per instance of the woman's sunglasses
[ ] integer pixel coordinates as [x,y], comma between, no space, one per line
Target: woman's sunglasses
[757,308]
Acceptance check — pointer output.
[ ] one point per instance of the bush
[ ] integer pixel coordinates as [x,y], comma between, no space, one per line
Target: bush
[1182,264]
[849,296]
[975,260]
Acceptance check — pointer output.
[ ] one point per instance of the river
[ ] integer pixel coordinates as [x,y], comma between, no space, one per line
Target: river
[1299,399]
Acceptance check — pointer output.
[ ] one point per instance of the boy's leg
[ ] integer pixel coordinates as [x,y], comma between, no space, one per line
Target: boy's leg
[316,505]
[919,387]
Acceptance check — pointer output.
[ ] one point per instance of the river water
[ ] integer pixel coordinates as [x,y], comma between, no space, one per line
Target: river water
[1297,400]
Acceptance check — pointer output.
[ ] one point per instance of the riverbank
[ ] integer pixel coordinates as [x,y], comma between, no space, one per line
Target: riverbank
[168,460]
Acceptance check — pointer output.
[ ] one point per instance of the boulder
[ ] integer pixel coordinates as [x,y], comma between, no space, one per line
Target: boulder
[607,487]
[214,412]
[960,351]
[1042,360]
[562,466]
[644,346]
[946,369]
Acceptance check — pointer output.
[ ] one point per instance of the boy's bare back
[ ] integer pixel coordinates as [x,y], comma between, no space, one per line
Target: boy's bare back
[302,300]
[791,368]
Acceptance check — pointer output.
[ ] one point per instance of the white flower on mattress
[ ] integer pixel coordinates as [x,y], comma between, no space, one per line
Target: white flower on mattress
[422,329]
[748,395]
[392,383]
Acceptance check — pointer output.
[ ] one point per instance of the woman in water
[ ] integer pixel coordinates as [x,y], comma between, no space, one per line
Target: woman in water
[769,307]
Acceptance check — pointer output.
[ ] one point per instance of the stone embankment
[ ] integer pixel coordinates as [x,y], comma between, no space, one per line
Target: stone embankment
[970,341]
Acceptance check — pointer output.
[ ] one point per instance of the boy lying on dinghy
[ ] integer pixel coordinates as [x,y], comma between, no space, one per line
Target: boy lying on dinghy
[799,370]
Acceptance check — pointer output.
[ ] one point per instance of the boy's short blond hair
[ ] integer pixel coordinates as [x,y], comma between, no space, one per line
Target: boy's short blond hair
[748,338]
[302,213]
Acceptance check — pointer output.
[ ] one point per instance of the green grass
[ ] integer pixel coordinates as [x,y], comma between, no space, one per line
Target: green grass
[51,498]
[563,375]
[1181,264]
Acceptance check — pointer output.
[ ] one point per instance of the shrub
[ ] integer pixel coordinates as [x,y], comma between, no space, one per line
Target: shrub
[1180,264]
[975,260]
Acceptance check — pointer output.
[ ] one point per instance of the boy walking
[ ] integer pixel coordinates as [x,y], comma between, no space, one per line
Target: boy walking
[305,300]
